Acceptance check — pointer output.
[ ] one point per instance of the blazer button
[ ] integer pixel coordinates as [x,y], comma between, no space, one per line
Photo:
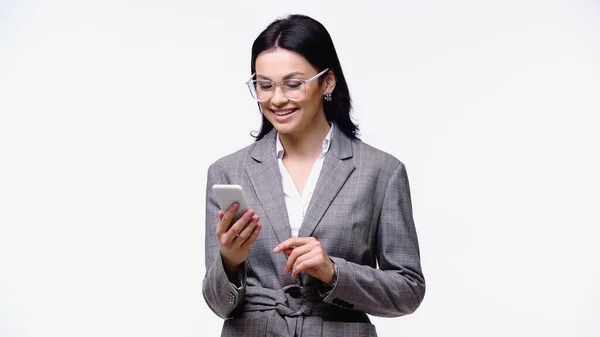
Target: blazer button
[294,292]
[231,298]
[342,303]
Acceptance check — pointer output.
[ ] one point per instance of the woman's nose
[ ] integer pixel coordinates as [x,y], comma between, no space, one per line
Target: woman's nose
[278,96]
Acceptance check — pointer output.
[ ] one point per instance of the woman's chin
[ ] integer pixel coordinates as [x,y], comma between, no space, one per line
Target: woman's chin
[284,128]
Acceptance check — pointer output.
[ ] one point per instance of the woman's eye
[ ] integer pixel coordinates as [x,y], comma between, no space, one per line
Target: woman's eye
[265,85]
[293,84]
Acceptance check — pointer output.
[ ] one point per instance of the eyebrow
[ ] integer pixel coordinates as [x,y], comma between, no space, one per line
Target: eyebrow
[288,76]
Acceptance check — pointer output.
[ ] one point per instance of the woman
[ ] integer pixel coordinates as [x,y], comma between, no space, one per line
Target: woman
[330,237]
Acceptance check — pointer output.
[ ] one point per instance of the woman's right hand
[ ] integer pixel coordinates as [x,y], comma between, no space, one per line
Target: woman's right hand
[235,240]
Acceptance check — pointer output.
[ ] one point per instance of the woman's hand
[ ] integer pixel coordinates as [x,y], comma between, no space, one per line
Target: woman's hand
[307,254]
[235,240]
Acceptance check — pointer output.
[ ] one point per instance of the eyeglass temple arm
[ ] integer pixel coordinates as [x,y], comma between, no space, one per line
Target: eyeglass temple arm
[317,75]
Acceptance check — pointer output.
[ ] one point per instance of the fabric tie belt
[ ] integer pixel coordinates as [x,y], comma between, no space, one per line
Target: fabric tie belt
[290,301]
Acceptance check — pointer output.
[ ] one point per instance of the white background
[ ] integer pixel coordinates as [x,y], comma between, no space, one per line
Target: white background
[111,112]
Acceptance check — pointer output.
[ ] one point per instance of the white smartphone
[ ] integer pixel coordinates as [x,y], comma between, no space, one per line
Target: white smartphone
[228,194]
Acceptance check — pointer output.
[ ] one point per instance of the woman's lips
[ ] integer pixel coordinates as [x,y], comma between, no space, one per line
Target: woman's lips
[284,114]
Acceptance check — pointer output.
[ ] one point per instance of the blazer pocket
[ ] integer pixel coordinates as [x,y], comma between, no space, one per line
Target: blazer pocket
[247,327]
[347,329]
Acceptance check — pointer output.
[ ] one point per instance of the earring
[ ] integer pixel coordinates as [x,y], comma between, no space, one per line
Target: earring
[328,97]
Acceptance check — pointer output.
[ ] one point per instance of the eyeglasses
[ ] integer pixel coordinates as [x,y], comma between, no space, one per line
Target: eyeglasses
[293,89]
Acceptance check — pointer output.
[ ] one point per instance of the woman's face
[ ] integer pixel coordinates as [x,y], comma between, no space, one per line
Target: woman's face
[292,116]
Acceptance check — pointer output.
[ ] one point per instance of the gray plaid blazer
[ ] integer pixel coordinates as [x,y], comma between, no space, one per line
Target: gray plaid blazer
[360,212]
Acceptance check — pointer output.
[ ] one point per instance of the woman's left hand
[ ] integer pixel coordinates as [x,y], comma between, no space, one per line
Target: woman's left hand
[307,254]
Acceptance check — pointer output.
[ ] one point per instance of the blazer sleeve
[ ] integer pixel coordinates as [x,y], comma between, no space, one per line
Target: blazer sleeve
[397,288]
[222,296]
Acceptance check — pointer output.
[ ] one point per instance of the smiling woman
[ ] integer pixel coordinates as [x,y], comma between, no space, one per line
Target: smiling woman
[330,236]
[297,108]
[298,48]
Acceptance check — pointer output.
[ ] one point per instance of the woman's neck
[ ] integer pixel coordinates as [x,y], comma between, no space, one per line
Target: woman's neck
[307,143]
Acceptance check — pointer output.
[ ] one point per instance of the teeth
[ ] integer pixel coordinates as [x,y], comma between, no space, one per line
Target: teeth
[283,113]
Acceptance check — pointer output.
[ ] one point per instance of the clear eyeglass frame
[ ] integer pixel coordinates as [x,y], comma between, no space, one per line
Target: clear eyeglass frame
[251,83]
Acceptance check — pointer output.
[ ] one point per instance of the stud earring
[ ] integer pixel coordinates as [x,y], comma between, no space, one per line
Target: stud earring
[328,97]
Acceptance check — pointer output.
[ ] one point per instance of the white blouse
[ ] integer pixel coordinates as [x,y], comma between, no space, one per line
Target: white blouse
[298,204]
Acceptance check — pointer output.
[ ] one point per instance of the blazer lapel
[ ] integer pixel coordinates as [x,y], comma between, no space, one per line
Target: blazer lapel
[265,178]
[334,174]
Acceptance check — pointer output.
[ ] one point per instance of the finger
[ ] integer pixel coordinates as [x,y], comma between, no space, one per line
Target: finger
[226,220]
[310,260]
[246,232]
[292,242]
[239,225]
[221,214]
[252,237]
[288,251]
[298,261]
[296,253]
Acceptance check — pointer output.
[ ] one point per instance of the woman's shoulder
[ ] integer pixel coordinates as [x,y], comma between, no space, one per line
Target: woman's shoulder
[234,158]
[375,156]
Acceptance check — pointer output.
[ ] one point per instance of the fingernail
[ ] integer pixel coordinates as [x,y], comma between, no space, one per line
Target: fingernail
[276,249]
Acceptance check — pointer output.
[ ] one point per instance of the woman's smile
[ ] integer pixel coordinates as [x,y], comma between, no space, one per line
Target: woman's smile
[284,114]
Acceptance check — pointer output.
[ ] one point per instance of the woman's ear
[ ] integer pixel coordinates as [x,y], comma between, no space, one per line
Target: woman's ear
[329,82]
